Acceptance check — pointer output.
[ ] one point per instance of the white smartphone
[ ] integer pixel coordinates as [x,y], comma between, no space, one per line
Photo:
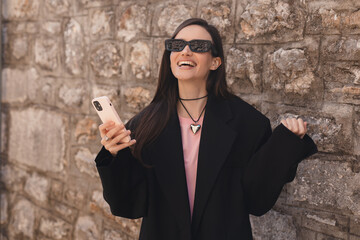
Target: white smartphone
[106,111]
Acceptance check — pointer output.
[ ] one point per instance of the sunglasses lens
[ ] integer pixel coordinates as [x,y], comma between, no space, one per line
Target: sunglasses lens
[174,45]
[177,45]
[200,45]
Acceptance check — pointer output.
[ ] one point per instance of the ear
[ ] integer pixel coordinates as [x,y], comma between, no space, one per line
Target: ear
[216,62]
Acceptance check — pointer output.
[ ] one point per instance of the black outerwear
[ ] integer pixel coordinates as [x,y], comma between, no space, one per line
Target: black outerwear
[242,168]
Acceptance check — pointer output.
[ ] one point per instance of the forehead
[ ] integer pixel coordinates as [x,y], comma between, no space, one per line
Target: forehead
[193,32]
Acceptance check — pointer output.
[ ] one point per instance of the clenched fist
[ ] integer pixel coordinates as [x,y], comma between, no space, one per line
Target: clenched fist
[297,126]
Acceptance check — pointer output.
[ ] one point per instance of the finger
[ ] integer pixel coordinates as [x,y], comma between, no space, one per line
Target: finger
[121,138]
[283,121]
[295,125]
[301,125]
[113,132]
[103,128]
[289,124]
[119,147]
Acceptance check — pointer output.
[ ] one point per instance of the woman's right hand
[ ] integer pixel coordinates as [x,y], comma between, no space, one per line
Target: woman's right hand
[114,136]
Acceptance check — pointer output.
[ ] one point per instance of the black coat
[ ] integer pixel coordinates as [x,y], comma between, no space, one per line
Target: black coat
[242,168]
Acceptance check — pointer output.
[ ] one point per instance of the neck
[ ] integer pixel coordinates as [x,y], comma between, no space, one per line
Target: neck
[190,90]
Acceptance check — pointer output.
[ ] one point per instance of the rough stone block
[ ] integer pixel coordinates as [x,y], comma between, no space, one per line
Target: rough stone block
[273,225]
[112,234]
[3,209]
[137,98]
[341,48]
[326,223]
[66,212]
[330,127]
[321,236]
[106,60]
[129,226]
[51,27]
[16,48]
[270,21]
[42,137]
[37,187]
[44,90]
[323,20]
[18,28]
[99,205]
[13,177]
[355,225]
[86,130]
[86,229]
[84,160]
[342,82]
[75,194]
[290,73]
[140,60]
[73,96]
[56,191]
[356,124]
[328,185]
[58,7]
[243,68]
[353,237]
[55,228]
[133,21]
[305,234]
[23,219]
[17,84]
[74,47]
[333,17]
[4,131]
[19,9]
[168,16]
[85,4]
[101,23]
[47,53]
[221,15]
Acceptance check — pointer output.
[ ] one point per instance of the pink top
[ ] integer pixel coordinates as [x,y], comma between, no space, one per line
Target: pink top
[190,142]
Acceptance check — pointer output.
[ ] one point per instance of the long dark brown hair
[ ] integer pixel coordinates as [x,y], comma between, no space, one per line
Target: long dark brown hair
[148,124]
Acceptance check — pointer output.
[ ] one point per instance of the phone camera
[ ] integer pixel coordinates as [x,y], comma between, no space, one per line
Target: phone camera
[98,106]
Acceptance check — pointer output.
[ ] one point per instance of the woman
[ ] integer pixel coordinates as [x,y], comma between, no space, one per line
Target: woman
[203,159]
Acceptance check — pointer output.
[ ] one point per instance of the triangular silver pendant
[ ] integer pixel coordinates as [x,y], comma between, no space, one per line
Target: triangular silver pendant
[195,127]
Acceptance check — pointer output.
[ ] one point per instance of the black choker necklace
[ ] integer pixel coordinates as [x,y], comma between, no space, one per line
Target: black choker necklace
[192,99]
[194,126]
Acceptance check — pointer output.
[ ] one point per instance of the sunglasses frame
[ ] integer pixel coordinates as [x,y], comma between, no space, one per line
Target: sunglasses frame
[211,46]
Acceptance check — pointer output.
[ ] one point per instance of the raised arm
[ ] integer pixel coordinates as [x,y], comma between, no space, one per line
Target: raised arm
[274,164]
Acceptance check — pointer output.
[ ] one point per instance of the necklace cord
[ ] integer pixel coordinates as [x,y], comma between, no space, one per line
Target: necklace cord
[193,99]
[190,114]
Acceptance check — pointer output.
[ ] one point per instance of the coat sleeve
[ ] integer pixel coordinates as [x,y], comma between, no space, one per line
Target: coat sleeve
[124,183]
[272,166]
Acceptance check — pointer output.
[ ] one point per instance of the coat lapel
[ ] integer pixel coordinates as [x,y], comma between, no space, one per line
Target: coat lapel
[169,168]
[216,141]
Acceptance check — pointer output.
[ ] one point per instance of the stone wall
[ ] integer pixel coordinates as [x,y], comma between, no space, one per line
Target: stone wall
[286,57]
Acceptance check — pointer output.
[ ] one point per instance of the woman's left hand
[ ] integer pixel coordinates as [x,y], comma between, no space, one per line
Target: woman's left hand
[297,126]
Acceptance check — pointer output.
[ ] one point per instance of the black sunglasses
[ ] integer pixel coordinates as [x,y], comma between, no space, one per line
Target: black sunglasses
[197,45]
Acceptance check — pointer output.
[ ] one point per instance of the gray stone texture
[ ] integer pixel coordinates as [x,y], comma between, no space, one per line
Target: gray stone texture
[287,58]
[46,128]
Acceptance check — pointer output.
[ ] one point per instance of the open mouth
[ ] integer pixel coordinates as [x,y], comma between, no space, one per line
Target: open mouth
[186,64]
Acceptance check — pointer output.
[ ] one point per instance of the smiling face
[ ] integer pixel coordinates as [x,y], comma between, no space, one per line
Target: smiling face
[191,66]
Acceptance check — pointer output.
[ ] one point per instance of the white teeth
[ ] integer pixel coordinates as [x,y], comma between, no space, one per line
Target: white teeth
[192,64]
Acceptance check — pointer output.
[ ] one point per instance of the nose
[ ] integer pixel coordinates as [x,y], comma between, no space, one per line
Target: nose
[186,50]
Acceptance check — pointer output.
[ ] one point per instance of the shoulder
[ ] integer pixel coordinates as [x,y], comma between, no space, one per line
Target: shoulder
[242,109]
